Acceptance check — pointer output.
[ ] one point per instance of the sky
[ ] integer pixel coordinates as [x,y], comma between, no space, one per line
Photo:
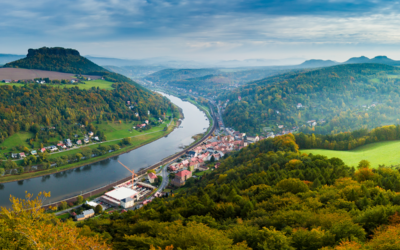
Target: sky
[277,31]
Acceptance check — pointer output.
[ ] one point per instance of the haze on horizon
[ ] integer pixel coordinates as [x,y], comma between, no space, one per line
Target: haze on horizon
[205,30]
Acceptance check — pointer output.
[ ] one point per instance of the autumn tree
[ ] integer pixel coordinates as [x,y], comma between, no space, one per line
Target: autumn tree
[26,225]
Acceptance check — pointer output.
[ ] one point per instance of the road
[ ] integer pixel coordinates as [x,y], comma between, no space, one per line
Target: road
[220,117]
[165,175]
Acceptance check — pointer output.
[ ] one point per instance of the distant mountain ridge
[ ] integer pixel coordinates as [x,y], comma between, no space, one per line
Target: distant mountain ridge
[6,58]
[57,59]
[362,59]
[377,59]
[318,63]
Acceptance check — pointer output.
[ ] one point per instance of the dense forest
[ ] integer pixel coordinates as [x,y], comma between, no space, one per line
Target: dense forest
[267,196]
[31,107]
[57,59]
[339,98]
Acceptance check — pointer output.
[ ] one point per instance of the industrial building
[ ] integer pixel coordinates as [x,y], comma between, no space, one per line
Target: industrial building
[122,196]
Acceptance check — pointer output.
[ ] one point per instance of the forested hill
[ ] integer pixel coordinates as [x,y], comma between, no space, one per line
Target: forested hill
[338,98]
[167,75]
[31,107]
[267,196]
[57,59]
[210,82]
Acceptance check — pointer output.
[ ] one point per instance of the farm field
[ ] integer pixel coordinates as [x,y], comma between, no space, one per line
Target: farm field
[95,83]
[25,74]
[379,153]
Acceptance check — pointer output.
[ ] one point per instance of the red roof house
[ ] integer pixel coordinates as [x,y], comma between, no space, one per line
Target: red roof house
[152,177]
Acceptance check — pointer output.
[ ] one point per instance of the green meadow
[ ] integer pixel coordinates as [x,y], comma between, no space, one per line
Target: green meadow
[88,84]
[387,153]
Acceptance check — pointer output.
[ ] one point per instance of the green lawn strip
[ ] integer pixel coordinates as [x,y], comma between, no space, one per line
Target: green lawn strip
[102,84]
[202,172]
[181,189]
[63,216]
[135,143]
[376,153]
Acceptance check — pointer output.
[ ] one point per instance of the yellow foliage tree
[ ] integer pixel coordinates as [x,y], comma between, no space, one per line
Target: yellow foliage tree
[27,226]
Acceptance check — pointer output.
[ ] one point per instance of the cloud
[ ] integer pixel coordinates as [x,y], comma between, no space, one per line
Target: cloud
[223,28]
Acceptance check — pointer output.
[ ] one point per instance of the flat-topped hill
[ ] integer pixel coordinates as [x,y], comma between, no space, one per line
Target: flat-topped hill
[57,59]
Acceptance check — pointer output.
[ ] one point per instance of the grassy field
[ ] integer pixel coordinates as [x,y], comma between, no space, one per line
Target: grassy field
[376,153]
[88,84]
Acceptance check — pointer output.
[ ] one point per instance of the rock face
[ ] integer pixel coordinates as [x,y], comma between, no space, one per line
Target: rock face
[52,51]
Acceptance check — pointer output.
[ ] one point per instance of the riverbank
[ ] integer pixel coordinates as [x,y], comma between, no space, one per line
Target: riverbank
[139,143]
[142,173]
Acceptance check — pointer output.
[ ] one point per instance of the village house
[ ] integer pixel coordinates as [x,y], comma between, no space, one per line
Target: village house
[79,142]
[96,138]
[22,155]
[33,152]
[68,143]
[85,214]
[14,155]
[6,81]
[181,177]
[43,150]
[299,105]
[192,154]
[253,139]
[312,123]
[146,121]
[152,177]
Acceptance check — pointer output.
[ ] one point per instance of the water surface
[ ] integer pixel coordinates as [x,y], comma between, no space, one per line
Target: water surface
[83,179]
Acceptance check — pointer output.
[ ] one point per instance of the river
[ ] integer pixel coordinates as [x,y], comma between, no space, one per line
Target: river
[80,180]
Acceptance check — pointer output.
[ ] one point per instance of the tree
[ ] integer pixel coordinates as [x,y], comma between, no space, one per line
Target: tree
[151,171]
[159,179]
[10,164]
[78,156]
[63,205]
[212,159]
[79,199]
[292,185]
[98,209]
[126,141]
[27,226]
[364,164]
[20,170]
[2,171]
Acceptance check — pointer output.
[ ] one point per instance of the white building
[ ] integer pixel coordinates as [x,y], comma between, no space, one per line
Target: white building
[121,196]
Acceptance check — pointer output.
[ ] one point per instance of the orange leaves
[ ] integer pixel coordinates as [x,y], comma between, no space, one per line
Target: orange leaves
[364,174]
[27,224]
[386,238]
[348,245]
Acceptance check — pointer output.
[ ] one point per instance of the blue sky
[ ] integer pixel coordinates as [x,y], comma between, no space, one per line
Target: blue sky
[204,30]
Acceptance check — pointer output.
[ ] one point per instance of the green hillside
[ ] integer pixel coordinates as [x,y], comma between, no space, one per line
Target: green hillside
[57,59]
[267,196]
[338,98]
